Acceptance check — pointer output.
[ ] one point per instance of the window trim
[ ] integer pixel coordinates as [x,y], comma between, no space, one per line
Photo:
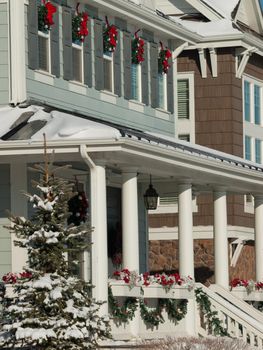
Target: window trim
[253,82]
[46,36]
[110,59]
[80,48]
[139,78]
[165,95]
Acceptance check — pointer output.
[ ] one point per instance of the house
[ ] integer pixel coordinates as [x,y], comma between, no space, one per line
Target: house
[118,121]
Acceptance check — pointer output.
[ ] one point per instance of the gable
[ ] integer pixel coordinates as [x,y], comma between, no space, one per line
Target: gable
[249,13]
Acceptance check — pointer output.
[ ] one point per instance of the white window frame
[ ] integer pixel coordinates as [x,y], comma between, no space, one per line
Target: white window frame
[139,78]
[172,207]
[164,107]
[46,36]
[80,48]
[252,81]
[109,58]
[186,125]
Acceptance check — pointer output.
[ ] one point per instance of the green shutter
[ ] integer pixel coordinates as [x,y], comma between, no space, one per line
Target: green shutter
[67,43]
[88,58]
[183,98]
[117,69]
[54,37]
[127,64]
[170,92]
[33,59]
[98,41]
[92,11]
[145,80]
[154,74]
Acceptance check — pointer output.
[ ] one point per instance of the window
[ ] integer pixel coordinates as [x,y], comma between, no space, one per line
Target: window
[44,51]
[183,98]
[162,91]
[257,104]
[247,147]
[258,151]
[136,82]
[77,61]
[185,137]
[108,71]
[247,100]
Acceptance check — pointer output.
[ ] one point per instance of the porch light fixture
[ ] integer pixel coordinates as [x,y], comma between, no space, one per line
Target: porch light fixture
[150,197]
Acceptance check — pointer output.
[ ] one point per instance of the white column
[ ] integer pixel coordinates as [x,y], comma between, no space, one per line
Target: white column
[259,237]
[185,230]
[130,224]
[220,239]
[99,234]
[18,182]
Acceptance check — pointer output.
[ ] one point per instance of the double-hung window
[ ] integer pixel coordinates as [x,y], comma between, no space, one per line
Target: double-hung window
[247,147]
[136,82]
[162,91]
[108,71]
[247,110]
[183,98]
[77,62]
[44,51]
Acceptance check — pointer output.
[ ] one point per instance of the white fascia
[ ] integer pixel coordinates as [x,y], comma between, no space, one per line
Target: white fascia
[149,19]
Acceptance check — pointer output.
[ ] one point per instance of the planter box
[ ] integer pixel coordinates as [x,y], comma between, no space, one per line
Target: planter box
[242,293]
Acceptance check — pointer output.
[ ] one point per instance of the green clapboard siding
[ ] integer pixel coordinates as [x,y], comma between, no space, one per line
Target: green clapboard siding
[4,69]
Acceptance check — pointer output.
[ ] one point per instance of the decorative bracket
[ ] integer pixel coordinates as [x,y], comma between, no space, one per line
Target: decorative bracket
[213,60]
[244,60]
[202,59]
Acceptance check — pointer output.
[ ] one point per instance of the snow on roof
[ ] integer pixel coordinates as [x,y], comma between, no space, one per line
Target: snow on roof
[225,7]
[213,28]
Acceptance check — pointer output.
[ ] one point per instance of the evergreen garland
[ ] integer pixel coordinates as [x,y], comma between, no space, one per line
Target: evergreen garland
[125,312]
[151,316]
[175,308]
[137,49]
[79,26]
[213,322]
[163,60]
[110,37]
[45,16]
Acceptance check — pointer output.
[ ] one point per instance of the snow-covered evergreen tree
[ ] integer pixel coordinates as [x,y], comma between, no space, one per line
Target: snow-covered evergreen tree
[51,308]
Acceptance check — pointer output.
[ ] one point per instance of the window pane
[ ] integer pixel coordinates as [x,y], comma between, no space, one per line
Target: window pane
[257,104]
[183,98]
[258,150]
[247,100]
[107,75]
[247,148]
[185,137]
[43,53]
[135,82]
[161,102]
[77,64]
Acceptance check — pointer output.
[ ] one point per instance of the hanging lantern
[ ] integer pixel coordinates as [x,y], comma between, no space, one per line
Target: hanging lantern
[151,197]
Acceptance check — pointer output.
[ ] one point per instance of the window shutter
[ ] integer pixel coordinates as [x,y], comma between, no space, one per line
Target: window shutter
[67,43]
[54,37]
[127,64]
[145,88]
[170,92]
[183,98]
[121,23]
[33,59]
[117,69]
[154,74]
[88,58]
[92,11]
[98,41]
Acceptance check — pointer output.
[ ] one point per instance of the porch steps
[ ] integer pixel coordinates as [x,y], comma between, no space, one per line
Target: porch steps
[240,319]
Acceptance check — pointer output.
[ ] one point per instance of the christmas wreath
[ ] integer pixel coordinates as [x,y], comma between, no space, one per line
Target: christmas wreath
[79,26]
[163,60]
[45,15]
[110,37]
[137,49]
[78,206]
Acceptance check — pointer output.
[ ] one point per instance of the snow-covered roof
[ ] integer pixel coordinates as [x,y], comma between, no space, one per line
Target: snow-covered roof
[224,7]
[62,125]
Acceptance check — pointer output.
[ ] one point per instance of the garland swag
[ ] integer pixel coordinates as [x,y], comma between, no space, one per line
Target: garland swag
[110,37]
[163,60]
[176,309]
[137,48]
[79,26]
[45,16]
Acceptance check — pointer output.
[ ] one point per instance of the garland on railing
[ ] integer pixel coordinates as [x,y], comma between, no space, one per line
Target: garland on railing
[137,48]
[250,285]
[79,26]
[110,37]
[163,60]
[213,322]
[125,312]
[151,316]
[175,308]
[45,16]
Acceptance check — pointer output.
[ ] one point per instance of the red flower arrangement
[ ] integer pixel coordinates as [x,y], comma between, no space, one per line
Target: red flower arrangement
[137,49]
[250,285]
[11,278]
[45,15]
[79,25]
[163,60]
[110,37]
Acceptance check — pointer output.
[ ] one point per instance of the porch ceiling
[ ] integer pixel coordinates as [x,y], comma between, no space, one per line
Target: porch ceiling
[171,160]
